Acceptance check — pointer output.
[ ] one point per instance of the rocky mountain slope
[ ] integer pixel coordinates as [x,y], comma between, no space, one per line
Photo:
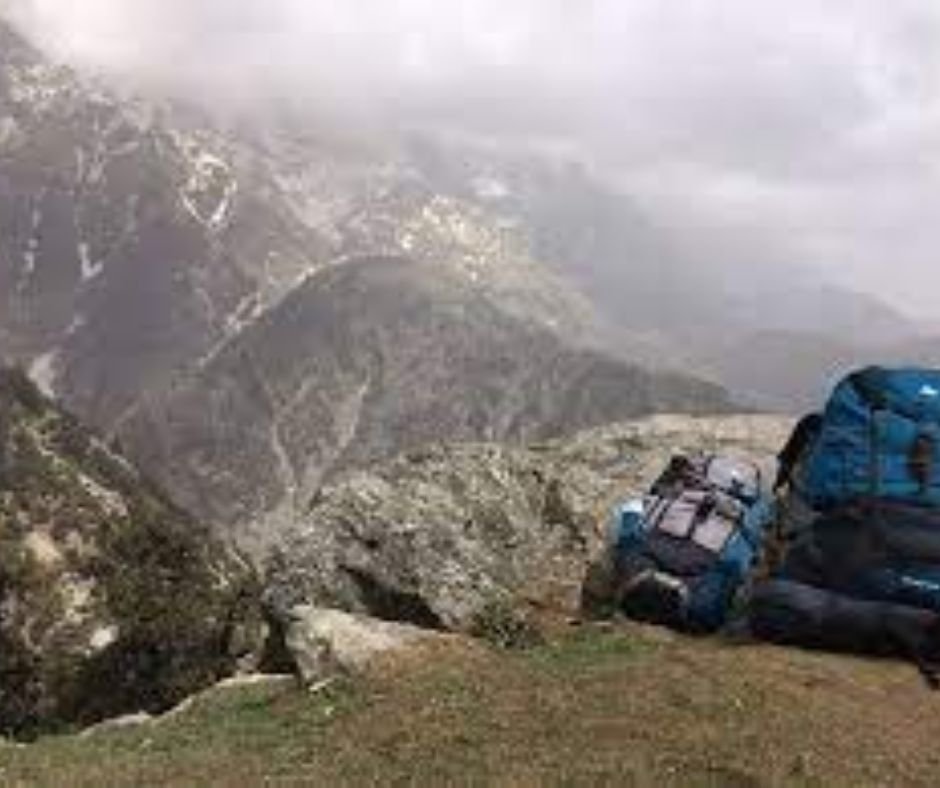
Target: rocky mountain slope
[151,266]
[129,246]
[111,599]
[765,326]
[682,281]
[367,360]
[251,310]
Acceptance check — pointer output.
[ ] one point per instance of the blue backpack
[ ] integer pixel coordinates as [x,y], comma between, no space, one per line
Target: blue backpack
[683,553]
[878,438]
[866,564]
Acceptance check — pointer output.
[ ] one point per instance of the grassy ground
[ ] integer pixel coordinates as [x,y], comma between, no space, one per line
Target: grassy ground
[629,705]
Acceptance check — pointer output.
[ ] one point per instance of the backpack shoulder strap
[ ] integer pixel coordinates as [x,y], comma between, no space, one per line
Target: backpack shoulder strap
[800,440]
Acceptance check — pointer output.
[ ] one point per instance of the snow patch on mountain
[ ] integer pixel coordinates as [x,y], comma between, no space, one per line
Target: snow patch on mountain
[44,372]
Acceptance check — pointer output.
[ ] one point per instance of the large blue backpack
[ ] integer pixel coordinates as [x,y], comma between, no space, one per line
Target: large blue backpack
[863,567]
[684,553]
[878,438]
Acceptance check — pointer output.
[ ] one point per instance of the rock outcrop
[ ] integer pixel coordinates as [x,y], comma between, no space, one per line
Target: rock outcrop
[111,599]
[326,643]
[437,536]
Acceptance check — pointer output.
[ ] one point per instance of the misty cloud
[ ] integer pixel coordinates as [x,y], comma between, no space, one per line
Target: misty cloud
[813,125]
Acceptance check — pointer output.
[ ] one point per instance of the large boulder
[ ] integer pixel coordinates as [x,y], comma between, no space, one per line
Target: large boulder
[111,600]
[437,537]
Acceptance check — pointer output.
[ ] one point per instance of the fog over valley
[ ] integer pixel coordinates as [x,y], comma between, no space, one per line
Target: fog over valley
[801,131]
[263,243]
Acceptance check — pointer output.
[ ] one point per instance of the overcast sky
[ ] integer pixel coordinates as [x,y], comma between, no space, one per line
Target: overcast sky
[812,122]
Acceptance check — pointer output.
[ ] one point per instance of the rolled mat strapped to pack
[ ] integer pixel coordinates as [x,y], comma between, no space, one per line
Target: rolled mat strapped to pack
[791,613]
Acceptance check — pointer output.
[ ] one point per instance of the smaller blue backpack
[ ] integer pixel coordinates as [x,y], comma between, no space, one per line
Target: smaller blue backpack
[682,554]
[878,438]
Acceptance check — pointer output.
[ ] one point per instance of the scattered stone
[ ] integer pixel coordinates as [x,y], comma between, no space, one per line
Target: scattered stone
[327,642]
[118,723]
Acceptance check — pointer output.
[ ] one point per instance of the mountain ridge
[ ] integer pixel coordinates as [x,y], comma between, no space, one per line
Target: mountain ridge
[141,246]
[389,358]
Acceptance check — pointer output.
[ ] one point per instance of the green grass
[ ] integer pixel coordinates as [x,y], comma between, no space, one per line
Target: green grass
[622,706]
[591,648]
[259,730]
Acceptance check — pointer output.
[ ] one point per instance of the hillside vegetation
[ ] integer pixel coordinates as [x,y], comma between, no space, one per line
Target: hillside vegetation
[111,599]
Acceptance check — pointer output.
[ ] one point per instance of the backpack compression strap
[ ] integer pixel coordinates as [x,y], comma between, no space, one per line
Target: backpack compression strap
[802,436]
[920,460]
